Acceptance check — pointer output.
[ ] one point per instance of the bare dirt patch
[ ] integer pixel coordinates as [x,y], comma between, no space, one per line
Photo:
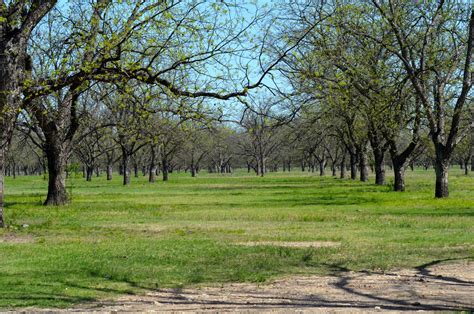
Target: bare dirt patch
[430,287]
[15,239]
[303,244]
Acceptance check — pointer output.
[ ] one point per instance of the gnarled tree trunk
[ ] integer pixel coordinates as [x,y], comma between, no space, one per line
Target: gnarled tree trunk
[14,61]
[441,166]
[56,154]
[399,173]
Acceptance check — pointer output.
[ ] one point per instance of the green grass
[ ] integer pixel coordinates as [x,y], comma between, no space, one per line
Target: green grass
[113,240]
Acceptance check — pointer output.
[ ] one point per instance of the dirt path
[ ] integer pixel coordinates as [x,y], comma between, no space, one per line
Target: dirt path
[432,287]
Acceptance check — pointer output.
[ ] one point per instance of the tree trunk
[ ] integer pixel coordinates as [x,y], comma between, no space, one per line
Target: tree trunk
[262,166]
[471,147]
[135,170]
[364,171]
[322,167]
[109,172]
[125,167]
[379,158]
[165,169]
[441,166]
[399,174]
[441,190]
[353,162]
[89,172]
[152,166]
[152,174]
[343,167]
[2,176]
[466,167]
[56,154]
[14,62]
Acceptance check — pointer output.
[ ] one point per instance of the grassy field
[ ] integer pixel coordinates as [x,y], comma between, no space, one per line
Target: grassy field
[113,240]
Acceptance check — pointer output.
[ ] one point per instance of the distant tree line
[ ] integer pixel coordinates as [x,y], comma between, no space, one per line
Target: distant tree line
[328,86]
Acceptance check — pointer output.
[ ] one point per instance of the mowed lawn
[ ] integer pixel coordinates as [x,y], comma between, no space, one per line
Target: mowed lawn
[115,240]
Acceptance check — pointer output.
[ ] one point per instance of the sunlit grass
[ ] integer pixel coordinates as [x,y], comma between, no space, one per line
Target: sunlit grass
[113,239]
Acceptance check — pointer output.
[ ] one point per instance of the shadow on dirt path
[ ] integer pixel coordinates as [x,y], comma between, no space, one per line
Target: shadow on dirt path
[442,285]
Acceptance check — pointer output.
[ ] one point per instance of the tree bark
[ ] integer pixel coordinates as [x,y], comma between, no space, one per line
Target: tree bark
[399,174]
[2,176]
[125,167]
[56,155]
[135,170]
[164,169]
[13,61]
[152,174]
[109,172]
[322,167]
[89,172]
[364,171]
[379,159]
[152,165]
[353,161]
[441,169]
[263,166]
[343,167]
[471,148]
